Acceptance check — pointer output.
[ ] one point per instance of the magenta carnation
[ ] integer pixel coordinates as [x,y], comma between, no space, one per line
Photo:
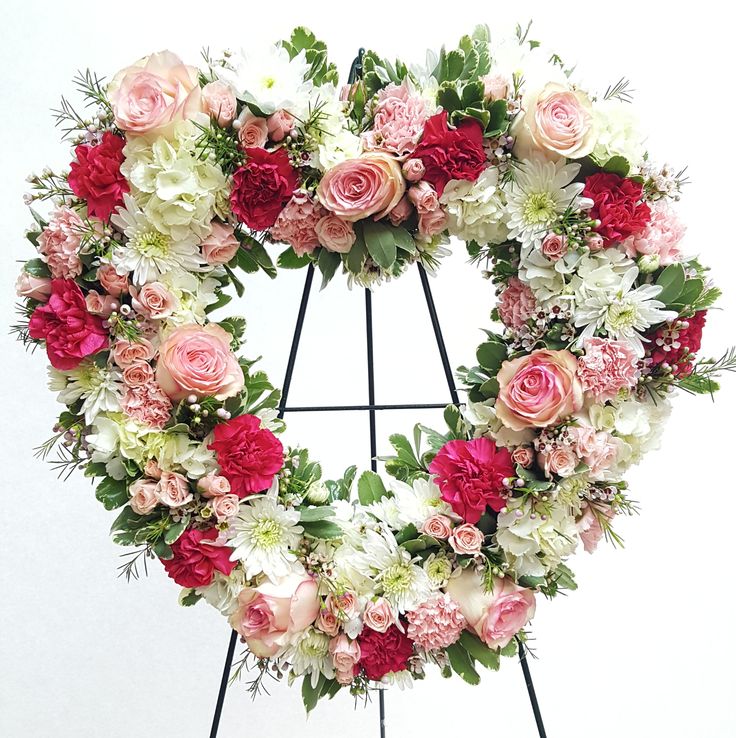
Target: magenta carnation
[384,653]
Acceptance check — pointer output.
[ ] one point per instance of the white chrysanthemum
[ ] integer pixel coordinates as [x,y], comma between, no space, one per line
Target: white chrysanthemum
[264,536]
[476,209]
[540,193]
[603,270]
[526,536]
[99,387]
[410,504]
[617,132]
[335,141]
[438,569]
[310,655]
[623,314]
[223,592]
[149,253]
[271,80]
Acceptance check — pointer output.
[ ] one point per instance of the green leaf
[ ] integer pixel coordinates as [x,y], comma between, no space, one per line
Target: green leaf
[95,469]
[462,664]
[310,694]
[37,268]
[671,280]
[510,649]
[490,388]
[324,529]
[380,242]
[472,96]
[243,260]
[455,63]
[239,289]
[479,651]
[409,533]
[356,257]
[497,122]
[257,251]
[454,421]
[617,165]
[565,577]
[691,291]
[311,514]
[162,550]
[698,384]
[404,240]
[370,488]
[289,260]
[189,597]
[174,532]
[491,355]
[448,98]
[112,493]
[327,262]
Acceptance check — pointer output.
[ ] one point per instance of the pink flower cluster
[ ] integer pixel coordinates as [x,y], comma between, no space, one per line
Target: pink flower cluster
[516,304]
[436,623]
[297,223]
[660,237]
[607,367]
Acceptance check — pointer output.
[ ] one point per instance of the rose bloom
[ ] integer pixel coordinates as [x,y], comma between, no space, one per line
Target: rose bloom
[401,212]
[95,176]
[262,186]
[225,507]
[607,367]
[111,281]
[270,615]
[218,101]
[221,246]
[143,496]
[147,404]
[252,130]
[196,558]
[100,304]
[152,469]
[470,476]
[138,374]
[660,237]
[153,92]
[554,246]
[335,234]
[523,456]
[495,87]
[33,288]
[59,243]
[125,353]
[437,526]
[154,300]
[213,485]
[327,621]
[497,616]
[447,153]
[355,189]
[71,332]
[249,456]
[466,540]
[617,203]
[560,460]
[197,360]
[173,490]
[413,169]
[378,615]
[384,653]
[345,657]
[538,389]
[279,125]
[423,197]
[297,224]
[516,304]
[432,223]
[344,605]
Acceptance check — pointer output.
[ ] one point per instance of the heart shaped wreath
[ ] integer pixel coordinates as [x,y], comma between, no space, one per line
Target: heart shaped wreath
[180,176]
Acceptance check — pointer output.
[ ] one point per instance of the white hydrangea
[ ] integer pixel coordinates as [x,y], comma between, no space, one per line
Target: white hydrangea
[618,132]
[335,141]
[223,592]
[639,426]
[482,416]
[549,281]
[193,295]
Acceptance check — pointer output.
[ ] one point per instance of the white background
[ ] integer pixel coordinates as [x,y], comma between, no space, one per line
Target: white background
[645,647]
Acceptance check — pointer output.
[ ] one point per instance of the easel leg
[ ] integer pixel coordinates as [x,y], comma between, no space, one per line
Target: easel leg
[530,689]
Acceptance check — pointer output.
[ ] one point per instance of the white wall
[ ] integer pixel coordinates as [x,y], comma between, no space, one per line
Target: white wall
[645,647]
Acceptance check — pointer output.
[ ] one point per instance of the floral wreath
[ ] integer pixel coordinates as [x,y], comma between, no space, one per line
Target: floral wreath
[181,176]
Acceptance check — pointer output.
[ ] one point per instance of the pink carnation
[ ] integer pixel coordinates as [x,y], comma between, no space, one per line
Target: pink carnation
[59,242]
[297,223]
[516,304]
[607,367]
[147,404]
[398,121]
[661,236]
[436,623]
[598,449]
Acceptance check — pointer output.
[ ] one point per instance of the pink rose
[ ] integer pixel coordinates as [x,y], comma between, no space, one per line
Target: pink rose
[523,456]
[466,540]
[413,169]
[516,304]
[124,353]
[424,197]
[378,615]
[497,616]
[401,212]
[296,224]
[607,367]
[279,125]
[432,222]
[495,87]
[355,189]
[437,526]
[335,234]
[213,485]
[554,246]
[221,245]
[197,360]
[560,460]
[138,374]
[225,507]
[327,621]
[538,389]
[60,241]
[113,282]
[154,300]
[100,304]
[33,288]
[270,615]
[173,490]
[218,101]
[155,91]
[143,496]
[594,241]
[252,130]
[152,469]
[345,657]
[345,605]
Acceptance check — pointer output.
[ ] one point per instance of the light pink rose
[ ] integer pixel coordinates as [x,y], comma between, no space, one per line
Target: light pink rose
[594,241]
[355,189]
[345,656]
[523,456]
[437,526]
[335,234]
[327,622]
[218,101]
[252,130]
[225,507]
[221,245]
[138,374]
[497,616]
[590,528]
[124,353]
[270,615]
[378,615]
[155,91]
[213,485]
[113,282]
[59,243]
[466,539]
[538,389]
[197,360]
[34,288]
[516,304]
[607,367]
[154,301]
[424,197]
[401,212]
[432,222]
[560,460]
[554,246]
[279,125]
[413,169]
[297,223]
[495,87]
[100,304]
[173,490]
[660,237]
[152,469]
[345,605]
[143,496]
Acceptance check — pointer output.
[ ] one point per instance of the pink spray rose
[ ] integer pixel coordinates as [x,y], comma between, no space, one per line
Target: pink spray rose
[218,101]
[154,301]
[327,621]
[466,540]
[270,615]
[554,246]
[335,234]
[138,374]
[279,125]
[197,360]
[497,616]
[432,222]
[538,389]
[378,615]
[221,245]
[413,169]
[252,130]
[34,288]
[437,526]
[523,456]
[173,490]
[100,304]
[213,485]
[113,282]
[143,496]
[59,243]
[125,353]
[560,460]
[607,367]
[297,223]
[516,304]
[225,507]
[401,212]
[345,657]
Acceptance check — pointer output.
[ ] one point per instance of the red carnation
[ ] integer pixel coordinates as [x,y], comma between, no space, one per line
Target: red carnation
[470,476]
[262,186]
[71,332]
[617,204]
[451,153]
[195,558]
[95,176]
[383,653]
[678,345]
[249,456]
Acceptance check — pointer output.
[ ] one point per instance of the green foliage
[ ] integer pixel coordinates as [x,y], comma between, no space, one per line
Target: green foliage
[289,260]
[235,326]
[341,489]
[382,242]
[321,71]
[112,493]
[479,651]
[322,529]
[462,663]
[37,268]
[617,165]
[672,281]
[370,488]
[327,263]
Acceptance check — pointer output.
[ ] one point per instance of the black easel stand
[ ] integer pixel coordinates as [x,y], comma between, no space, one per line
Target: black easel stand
[371,408]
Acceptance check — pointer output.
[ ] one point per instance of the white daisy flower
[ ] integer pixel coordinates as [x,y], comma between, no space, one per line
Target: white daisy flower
[410,504]
[263,537]
[100,388]
[310,654]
